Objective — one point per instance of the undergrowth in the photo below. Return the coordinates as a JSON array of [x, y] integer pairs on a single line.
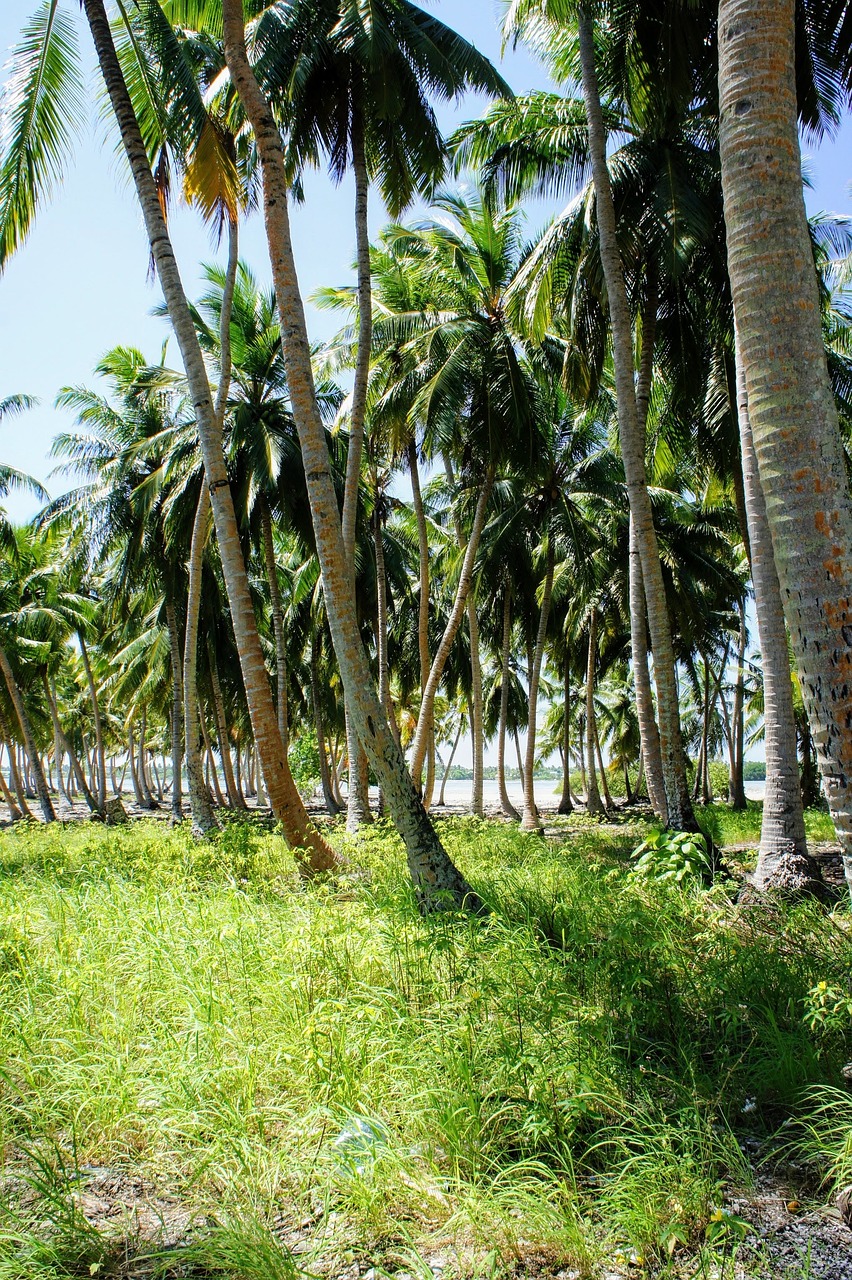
[[315, 1076]]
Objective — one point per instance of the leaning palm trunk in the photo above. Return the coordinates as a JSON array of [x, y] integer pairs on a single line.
[[99, 733], [783, 862], [313, 851], [448, 769], [593, 799], [437, 881], [509, 809], [531, 820], [29, 741], [632, 440], [792, 412], [177, 711]]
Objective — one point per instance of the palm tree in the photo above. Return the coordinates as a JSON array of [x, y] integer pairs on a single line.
[[791, 407]]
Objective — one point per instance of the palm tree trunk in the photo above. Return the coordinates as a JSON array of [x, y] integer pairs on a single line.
[[99, 734], [607, 795], [793, 416], [177, 710], [325, 776], [14, 775], [134, 774], [313, 852], [422, 603], [509, 809], [531, 820], [358, 807], [203, 817], [210, 773], [783, 862], [450, 762], [142, 773], [566, 803], [437, 881], [277, 621], [632, 439], [593, 799], [61, 738], [425, 721], [235, 796], [381, 609], [519, 758], [649, 733], [15, 814], [736, 741], [26, 729]]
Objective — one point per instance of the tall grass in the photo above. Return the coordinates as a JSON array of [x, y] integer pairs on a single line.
[[320, 1076]]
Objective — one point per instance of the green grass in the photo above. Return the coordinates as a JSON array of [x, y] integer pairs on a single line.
[[727, 826], [561, 1081]]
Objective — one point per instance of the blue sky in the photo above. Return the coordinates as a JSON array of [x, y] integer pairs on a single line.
[[80, 284]]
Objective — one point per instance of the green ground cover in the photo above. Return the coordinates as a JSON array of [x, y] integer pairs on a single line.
[[318, 1077]]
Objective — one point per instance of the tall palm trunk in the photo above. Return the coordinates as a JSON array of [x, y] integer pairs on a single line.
[[436, 879], [566, 803], [632, 440], [358, 803], [177, 710], [422, 604], [36, 769], [593, 798], [791, 407], [99, 732], [509, 809], [60, 737], [531, 820], [203, 818], [313, 851], [649, 733], [783, 862], [277, 621]]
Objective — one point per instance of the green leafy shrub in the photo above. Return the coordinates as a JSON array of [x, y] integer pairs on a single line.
[[672, 856]]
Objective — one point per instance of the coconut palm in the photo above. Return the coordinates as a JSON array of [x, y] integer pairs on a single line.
[[791, 409]]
